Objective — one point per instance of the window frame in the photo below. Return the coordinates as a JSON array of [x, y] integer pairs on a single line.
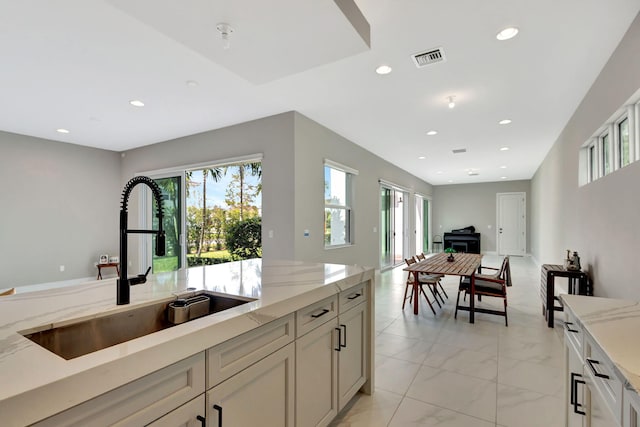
[[606, 153], [347, 207], [618, 141]]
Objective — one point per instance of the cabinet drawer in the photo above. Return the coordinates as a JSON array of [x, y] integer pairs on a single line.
[[352, 297], [316, 314], [232, 356], [139, 402], [603, 377], [573, 333]]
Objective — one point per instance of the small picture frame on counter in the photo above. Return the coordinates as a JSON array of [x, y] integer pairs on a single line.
[[114, 259], [104, 259]]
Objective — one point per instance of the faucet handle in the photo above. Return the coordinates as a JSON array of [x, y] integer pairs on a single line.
[[142, 278]]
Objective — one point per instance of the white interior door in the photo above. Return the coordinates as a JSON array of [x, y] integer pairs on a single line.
[[511, 223]]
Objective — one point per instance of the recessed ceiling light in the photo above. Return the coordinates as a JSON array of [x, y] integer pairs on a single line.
[[136, 103], [192, 83], [507, 33], [439, 172], [503, 177], [383, 69], [450, 180], [503, 167], [432, 132], [504, 122], [504, 148], [61, 130], [421, 157]]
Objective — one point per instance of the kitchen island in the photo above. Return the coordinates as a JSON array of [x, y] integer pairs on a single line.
[[37, 383]]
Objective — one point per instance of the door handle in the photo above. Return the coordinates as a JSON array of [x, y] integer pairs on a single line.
[[344, 328], [339, 339], [219, 409]]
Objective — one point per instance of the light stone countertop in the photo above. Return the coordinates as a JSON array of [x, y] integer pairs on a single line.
[[35, 383], [614, 325]]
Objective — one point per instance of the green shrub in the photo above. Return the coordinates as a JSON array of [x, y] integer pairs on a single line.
[[244, 238]]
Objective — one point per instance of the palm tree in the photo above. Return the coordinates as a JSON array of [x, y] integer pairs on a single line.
[[255, 169], [216, 174]]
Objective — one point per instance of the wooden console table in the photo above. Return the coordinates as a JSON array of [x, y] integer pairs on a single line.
[[579, 283], [116, 265]]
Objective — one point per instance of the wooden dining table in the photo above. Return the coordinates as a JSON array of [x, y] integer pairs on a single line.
[[463, 265]]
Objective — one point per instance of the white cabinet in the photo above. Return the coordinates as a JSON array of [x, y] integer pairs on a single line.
[[142, 401], [260, 395], [352, 364], [317, 376], [331, 360], [631, 409], [593, 394]]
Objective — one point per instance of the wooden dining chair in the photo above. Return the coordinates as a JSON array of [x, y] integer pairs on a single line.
[[423, 279], [421, 257], [7, 292], [491, 285]]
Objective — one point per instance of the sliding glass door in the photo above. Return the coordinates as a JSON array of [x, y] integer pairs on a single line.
[[422, 216], [172, 202], [392, 225]]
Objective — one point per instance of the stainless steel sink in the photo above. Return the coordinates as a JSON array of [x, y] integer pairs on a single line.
[[77, 339]]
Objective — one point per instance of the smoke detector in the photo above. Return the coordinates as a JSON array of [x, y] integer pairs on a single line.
[[225, 31]]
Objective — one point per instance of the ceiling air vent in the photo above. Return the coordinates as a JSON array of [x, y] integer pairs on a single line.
[[427, 58], [459, 150]]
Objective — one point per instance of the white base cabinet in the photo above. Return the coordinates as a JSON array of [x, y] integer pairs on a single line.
[[352, 364], [261, 395], [317, 376]]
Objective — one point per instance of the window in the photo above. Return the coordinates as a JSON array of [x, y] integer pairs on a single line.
[[338, 215], [593, 164], [605, 150], [623, 143]]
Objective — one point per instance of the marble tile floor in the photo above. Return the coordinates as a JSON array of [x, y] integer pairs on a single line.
[[439, 371]]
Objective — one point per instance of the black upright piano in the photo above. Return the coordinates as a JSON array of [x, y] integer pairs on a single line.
[[463, 240]]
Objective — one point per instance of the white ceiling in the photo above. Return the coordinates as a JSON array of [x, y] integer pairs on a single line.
[[76, 64]]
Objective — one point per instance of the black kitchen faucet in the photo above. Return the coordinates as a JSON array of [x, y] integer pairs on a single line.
[[124, 283]]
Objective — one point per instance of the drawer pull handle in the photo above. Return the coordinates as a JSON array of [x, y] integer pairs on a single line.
[[202, 420], [322, 313], [574, 393], [566, 324], [219, 409], [339, 339], [344, 328], [354, 296], [591, 364]]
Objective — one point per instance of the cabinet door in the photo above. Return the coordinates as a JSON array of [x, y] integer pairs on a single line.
[[191, 414], [631, 413], [352, 364], [599, 414], [574, 388], [316, 376], [261, 395]]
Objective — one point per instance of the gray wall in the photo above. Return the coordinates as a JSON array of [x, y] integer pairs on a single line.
[[599, 220], [59, 207], [294, 148], [314, 143], [462, 205], [271, 136]]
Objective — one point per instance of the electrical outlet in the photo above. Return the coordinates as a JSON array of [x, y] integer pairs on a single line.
[[61, 268], [271, 234]]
